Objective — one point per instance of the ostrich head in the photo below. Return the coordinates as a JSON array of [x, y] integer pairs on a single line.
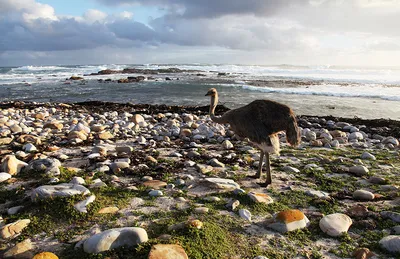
[[212, 92]]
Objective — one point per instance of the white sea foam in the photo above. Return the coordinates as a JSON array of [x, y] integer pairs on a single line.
[[364, 91]]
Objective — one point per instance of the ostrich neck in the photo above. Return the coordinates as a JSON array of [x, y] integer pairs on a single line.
[[213, 105]]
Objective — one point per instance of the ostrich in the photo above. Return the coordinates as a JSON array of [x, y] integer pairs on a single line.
[[260, 121]]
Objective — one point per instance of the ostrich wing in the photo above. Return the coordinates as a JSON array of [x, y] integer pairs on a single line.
[[258, 119]]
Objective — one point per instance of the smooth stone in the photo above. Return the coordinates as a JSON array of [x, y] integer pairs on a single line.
[[114, 238], [335, 224], [289, 220], [391, 140], [311, 135], [377, 180], [395, 216], [368, 156], [155, 184], [201, 210], [77, 180], [12, 165], [318, 194], [20, 250], [161, 251], [155, 193], [118, 166], [81, 206], [358, 170], [60, 190], [245, 214], [223, 183], [391, 243], [260, 197], [14, 210], [47, 165], [4, 177], [215, 163], [106, 135], [396, 230], [147, 178], [137, 118], [45, 255], [212, 198], [232, 204], [124, 149], [13, 229], [227, 144], [356, 135], [363, 195], [29, 148], [290, 169], [5, 141], [97, 183], [108, 210]]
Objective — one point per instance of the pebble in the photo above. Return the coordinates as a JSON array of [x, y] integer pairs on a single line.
[[391, 243], [156, 193], [260, 197], [317, 194], [29, 148], [363, 195], [77, 180], [290, 169], [108, 210], [14, 210], [60, 190], [201, 210], [4, 177], [12, 165], [395, 216], [227, 144], [368, 156], [222, 183], [335, 224], [155, 184], [215, 163], [114, 238], [245, 214], [12, 230], [167, 251], [232, 204], [81, 206], [20, 250], [358, 170], [289, 220]]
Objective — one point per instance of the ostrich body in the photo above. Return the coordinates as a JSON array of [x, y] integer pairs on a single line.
[[260, 121]]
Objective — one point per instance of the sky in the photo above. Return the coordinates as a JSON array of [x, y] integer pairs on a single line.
[[259, 32]]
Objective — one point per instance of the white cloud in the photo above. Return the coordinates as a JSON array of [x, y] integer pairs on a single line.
[[93, 15]]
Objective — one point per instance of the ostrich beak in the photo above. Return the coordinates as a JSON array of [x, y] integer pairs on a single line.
[[207, 94]]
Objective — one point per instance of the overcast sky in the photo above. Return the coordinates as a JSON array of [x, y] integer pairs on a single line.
[[299, 32]]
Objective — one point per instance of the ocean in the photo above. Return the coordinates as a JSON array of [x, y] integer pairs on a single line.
[[325, 90]]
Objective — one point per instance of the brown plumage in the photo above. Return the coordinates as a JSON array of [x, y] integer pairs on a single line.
[[260, 121]]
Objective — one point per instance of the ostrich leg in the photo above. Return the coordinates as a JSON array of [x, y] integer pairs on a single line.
[[260, 164], [269, 179]]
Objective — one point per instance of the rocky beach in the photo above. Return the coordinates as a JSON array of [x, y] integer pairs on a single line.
[[108, 180]]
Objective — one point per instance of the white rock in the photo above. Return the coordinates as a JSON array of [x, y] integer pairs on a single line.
[[367, 155], [77, 180], [4, 177], [227, 144], [363, 195], [289, 220], [356, 135], [114, 238], [243, 213], [29, 148], [60, 190], [391, 243], [335, 224], [223, 183], [290, 169], [358, 170], [156, 193], [81, 206]]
